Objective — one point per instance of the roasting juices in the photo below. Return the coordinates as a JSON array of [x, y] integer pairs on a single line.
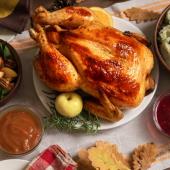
[[20, 131], [163, 114]]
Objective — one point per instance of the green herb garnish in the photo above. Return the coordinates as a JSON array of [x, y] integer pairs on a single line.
[[3, 92], [58, 4], [1, 48], [84, 122], [5, 52]]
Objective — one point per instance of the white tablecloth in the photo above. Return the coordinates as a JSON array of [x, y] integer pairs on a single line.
[[127, 137]]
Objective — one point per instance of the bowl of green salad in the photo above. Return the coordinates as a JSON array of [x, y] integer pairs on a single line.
[[162, 38], [10, 72]]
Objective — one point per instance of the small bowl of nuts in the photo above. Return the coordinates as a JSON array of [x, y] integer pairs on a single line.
[[10, 72]]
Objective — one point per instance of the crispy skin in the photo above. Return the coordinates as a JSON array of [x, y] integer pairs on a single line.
[[111, 66], [111, 62], [56, 71], [96, 108]]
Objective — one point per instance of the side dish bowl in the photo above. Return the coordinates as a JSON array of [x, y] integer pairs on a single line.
[[158, 27], [21, 130], [161, 113], [18, 70]]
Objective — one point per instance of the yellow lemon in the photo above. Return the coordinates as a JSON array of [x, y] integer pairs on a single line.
[[103, 16], [7, 7]]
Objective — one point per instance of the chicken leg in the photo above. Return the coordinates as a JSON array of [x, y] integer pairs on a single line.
[[69, 17], [55, 70]]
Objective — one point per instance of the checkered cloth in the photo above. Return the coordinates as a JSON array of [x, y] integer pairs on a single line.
[[53, 158]]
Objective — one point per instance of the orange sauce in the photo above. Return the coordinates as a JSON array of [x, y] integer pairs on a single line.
[[20, 131]]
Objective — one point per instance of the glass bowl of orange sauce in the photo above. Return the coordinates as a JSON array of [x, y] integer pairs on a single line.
[[21, 130]]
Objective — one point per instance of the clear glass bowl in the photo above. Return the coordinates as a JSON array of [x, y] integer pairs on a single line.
[[155, 113], [30, 110]]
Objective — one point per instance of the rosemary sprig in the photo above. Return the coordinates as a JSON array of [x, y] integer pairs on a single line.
[[58, 4], [85, 121]]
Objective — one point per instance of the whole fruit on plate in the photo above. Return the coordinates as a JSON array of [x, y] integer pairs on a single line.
[[69, 104]]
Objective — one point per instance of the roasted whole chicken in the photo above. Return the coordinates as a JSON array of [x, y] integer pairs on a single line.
[[78, 52]]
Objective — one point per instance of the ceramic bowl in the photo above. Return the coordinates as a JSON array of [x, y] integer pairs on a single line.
[[29, 110], [4, 100], [156, 35]]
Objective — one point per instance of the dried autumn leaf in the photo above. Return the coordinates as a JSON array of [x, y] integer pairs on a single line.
[[106, 156], [83, 155], [140, 15], [164, 152], [83, 161], [143, 156]]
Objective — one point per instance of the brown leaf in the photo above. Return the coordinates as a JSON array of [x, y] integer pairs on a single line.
[[83, 161], [140, 15], [143, 156]]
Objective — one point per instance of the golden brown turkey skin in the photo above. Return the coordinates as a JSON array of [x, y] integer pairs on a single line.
[[79, 52], [110, 62], [69, 17], [54, 69]]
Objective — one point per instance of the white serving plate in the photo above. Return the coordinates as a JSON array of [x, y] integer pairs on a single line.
[[129, 114], [13, 164]]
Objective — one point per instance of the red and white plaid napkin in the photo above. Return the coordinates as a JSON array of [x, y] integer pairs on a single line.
[[53, 158]]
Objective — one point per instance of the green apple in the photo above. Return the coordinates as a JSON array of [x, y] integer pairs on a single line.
[[69, 104]]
